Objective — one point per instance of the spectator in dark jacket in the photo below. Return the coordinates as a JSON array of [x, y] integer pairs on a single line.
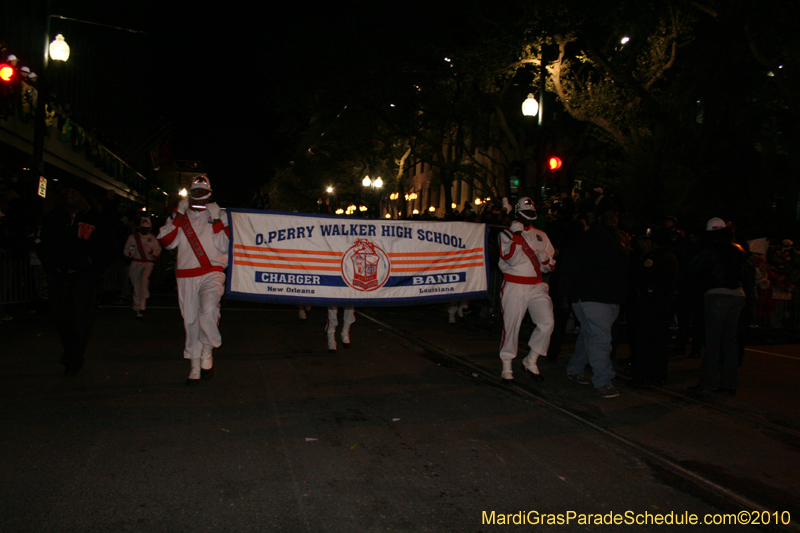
[[74, 249], [595, 277], [718, 271], [653, 281]]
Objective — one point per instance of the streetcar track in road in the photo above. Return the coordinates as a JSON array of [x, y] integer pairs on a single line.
[[746, 418], [694, 400], [662, 390], [656, 457], [772, 353]]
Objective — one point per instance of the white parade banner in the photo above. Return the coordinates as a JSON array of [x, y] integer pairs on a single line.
[[295, 258]]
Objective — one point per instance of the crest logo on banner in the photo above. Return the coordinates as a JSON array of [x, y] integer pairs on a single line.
[[365, 266]]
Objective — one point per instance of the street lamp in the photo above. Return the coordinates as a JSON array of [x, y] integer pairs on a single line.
[[59, 49], [377, 183], [530, 107]]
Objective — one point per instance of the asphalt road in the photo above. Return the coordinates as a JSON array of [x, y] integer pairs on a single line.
[[385, 436]]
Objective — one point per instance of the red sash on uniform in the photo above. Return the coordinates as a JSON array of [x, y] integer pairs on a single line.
[[524, 280], [532, 256], [142, 253], [199, 252]]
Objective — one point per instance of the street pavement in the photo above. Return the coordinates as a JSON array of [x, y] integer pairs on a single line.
[[389, 435]]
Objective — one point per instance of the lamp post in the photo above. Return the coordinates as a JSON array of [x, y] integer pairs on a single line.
[[533, 108], [57, 50], [377, 183]]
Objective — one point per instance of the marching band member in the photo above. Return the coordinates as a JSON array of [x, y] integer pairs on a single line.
[[349, 317], [200, 233], [143, 249], [525, 254]]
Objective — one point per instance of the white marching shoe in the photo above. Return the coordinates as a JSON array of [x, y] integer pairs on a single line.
[[206, 366], [331, 342], [194, 374], [507, 374], [529, 364], [452, 313]]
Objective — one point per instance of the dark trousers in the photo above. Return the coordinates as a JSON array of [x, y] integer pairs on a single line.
[[690, 313], [561, 312], [72, 300], [649, 320], [720, 368]]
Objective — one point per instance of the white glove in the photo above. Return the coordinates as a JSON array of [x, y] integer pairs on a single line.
[[183, 205], [506, 205], [213, 211], [543, 257]]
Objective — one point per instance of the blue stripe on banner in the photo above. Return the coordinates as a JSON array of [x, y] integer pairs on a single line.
[[291, 278], [434, 279], [357, 302]]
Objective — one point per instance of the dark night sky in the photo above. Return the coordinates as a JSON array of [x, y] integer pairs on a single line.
[[218, 74]]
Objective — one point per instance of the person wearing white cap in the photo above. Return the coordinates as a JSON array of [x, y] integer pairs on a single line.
[[525, 254], [201, 235], [142, 248], [718, 274], [29, 96]]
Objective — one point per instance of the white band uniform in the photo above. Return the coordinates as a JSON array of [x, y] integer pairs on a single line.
[[523, 289], [200, 275]]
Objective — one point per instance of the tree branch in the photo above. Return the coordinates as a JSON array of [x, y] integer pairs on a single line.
[[674, 53], [554, 70]]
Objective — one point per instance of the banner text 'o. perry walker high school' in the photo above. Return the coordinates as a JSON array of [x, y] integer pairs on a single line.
[[338, 261]]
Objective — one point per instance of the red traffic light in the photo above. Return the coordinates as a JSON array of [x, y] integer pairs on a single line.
[[554, 163], [6, 72]]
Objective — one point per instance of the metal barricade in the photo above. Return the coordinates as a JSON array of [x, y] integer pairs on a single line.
[[16, 277], [22, 282]]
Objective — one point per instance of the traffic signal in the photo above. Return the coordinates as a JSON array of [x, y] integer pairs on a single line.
[[8, 81], [554, 163], [6, 73]]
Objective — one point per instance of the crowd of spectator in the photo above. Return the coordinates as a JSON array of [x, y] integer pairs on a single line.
[[664, 312]]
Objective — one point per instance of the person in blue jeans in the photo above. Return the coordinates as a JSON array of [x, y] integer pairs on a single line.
[[718, 271], [596, 279]]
